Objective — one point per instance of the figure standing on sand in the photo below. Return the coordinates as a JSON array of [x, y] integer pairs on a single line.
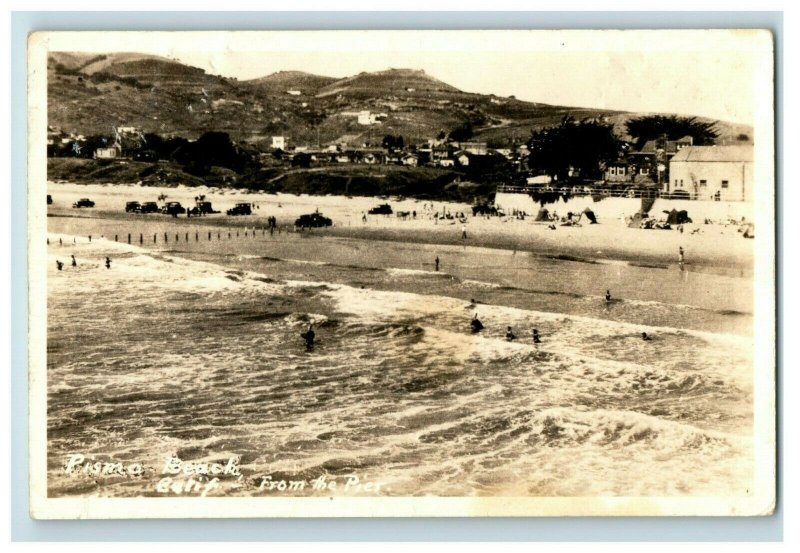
[[74, 263], [608, 296], [437, 262], [108, 262], [59, 265], [510, 335], [680, 255], [463, 232], [309, 336], [476, 324]]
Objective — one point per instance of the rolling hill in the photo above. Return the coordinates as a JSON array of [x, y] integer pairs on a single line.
[[89, 94]]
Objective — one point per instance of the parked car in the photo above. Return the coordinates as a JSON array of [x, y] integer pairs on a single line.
[[383, 209], [313, 220], [202, 208], [149, 207], [133, 207], [241, 209], [173, 208], [83, 202], [49, 199]]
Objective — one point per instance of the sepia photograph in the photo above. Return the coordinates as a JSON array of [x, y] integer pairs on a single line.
[[401, 273]]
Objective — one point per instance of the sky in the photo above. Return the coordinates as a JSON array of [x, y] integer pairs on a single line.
[[717, 74]]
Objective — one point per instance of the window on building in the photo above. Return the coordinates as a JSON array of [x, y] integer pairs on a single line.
[[703, 182], [724, 184]]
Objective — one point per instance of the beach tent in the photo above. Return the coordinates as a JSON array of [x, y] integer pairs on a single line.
[[590, 215], [676, 217], [543, 215]]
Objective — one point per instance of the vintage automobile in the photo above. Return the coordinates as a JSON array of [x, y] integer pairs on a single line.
[[202, 208], [133, 207], [149, 207], [83, 202], [241, 208], [313, 220], [383, 209], [173, 208]]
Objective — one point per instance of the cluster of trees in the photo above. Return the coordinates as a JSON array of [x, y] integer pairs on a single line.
[[651, 127], [584, 145], [392, 142], [588, 145]]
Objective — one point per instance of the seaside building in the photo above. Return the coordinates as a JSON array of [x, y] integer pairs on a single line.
[[654, 157], [723, 173]]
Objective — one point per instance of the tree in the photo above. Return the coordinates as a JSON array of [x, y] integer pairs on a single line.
[[462, 132], [301, 160], [392, 142], [651, 127], [211, 149], [586, 145]]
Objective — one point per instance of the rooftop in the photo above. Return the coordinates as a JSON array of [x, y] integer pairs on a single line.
[[715, 153]]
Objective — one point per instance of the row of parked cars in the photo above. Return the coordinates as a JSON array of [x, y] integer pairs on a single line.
[[311, 220]]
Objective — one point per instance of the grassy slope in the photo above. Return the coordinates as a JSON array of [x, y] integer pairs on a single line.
[[163, 96]]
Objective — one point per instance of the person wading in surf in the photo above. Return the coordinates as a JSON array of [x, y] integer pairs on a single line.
[[476, 324], [309, 336], [510, 335], [536, 338]]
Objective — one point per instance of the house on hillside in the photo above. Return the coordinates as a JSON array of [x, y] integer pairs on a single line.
[[106, 153], [477, 148], [410, 160], [712, 173], [280, 143]]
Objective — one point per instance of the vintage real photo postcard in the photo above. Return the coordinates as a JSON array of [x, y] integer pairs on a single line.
[[401, 273]]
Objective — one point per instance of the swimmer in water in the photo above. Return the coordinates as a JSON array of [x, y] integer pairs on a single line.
[[536, 337], [309, 337], [476, 324], [645, 337], [510, 335]]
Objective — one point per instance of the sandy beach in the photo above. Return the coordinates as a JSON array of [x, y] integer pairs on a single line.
[[716, 246]]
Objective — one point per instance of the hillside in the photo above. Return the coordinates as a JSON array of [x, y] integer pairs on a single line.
[[89, 94], [282, 81], [402, 82]]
